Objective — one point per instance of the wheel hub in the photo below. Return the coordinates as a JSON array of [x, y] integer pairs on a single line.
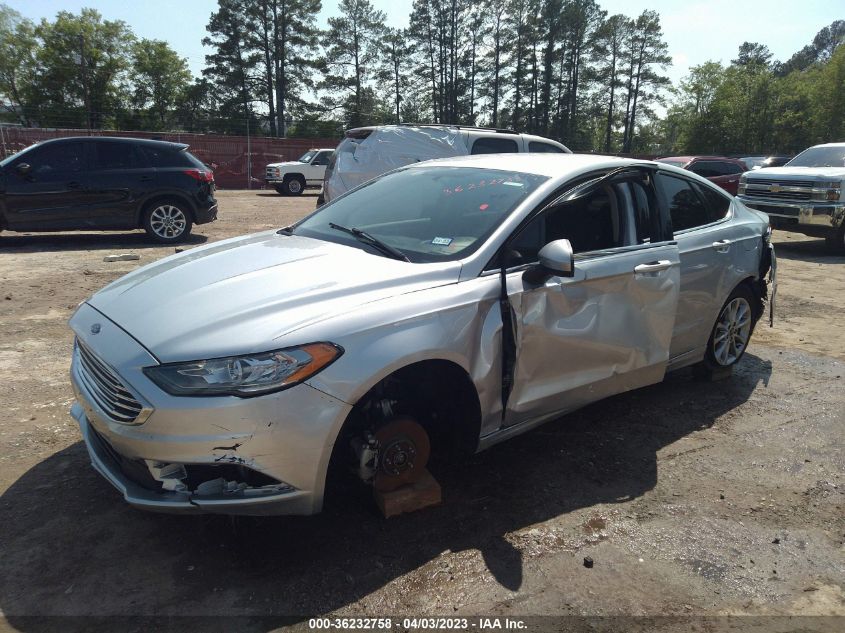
[[403, 453]]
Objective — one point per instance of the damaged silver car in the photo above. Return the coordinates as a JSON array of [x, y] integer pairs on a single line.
[[452, 303]]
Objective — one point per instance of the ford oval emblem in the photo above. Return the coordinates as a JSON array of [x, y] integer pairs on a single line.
[[95, 329]]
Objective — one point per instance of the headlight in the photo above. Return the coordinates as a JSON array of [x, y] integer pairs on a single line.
[[248, 375], [829, 190], [741, 186]]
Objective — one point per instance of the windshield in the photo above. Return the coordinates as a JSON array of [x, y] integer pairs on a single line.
[[307, 156], [429, 214], [820, 157], [16, 155]]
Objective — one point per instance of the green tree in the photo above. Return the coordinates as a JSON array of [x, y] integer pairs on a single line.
[[351, 52], [17, 62], [81, 69], [645, 50], [197, 106], [286, 36], [701, 130], [396, 64], [160, 77], [497, 56], [609, 42], [232, 67]]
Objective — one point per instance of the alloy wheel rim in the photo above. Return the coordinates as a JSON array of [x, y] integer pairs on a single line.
[[294, 186], [733, 330], [168, 221]]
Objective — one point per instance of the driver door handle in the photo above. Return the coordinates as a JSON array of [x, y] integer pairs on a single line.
[[652, 267], [722, 246]]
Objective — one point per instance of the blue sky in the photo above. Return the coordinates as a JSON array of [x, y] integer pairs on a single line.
[[696, 30]]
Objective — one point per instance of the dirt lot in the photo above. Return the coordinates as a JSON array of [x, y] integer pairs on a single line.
[[691, 498]]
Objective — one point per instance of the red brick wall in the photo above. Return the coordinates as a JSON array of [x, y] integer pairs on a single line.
[[228, 153]]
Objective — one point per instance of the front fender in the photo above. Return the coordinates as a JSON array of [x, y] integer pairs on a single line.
[[459, 323]]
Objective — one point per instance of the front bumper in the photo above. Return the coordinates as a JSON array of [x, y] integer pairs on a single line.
[[799, 215], [273, 449]]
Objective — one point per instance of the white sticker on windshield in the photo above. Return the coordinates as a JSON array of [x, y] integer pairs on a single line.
[[513, 184], [441, 241]]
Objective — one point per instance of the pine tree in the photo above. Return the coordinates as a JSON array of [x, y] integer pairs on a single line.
[[351, 52]]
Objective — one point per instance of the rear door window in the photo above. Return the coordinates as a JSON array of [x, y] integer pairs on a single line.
[[110, 155], [494, 145], [544, 148]]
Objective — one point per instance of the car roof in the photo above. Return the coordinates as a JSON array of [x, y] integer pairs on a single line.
[[696, 157], [550, 165], [115, 139]]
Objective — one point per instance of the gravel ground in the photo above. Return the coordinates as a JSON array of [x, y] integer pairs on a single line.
[[691, 498]]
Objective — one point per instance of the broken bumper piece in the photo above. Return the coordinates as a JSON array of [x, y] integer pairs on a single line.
[[163, 487]]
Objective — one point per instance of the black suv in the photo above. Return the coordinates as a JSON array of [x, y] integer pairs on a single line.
[[106, 183]]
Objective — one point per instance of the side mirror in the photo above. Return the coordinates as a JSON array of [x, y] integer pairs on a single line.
[[23, 168], [557, 257]]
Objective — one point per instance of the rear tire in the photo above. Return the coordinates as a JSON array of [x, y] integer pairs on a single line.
[[731, 333], [167, 221], [836, 241], [293, 185]]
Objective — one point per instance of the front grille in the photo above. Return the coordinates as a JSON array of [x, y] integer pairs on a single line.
[[798, 190], [270, 173], [105, 387], [809, 184], [778, 195]]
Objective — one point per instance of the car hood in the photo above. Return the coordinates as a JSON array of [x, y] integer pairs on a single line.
[[798, 173], [244, 294], [290, 163]]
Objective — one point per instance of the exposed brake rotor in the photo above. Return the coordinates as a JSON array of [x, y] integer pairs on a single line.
[[403, 453]]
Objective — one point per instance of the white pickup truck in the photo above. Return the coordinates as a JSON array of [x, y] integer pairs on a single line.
[[804, 196], [292, 177]]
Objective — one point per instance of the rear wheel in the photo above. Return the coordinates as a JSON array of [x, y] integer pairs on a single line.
[[732, 332], [293, 185], [836, 240], [167, 221]]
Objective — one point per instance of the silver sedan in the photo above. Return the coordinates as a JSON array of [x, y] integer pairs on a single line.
[[453, 303]]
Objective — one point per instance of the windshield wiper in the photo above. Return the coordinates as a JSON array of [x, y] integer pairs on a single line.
[[288, 230], [366, 238]]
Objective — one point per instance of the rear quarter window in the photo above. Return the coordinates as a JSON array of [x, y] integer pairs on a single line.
[[169, 157], [688, 204], [718, 205]]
